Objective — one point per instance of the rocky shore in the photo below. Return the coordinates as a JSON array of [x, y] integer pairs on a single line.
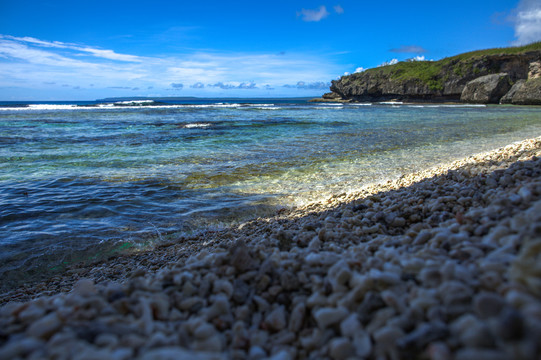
[[440, 264], [493, 76]]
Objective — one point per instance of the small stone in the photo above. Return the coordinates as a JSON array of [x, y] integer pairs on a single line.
[[477, 335], [438, 351], [398, 222], [45, 327], [276, 319], [430, 277], [341, 348], [525, 194], [19, 348], [84, 287], [240, 257], [213, 344], [362, 344], [32, 313], [424, 334], [289, 281], [222, 286], [106, 340], [371, 302], [388, 336], [241, 291], [297, 317], [326, 317], [204, 330], [282, 355], [488, 304], [423, 236], [220, 306], [480, 354], [338, 275], [175, 352], [256, 353], [511, 324], [350, 325]]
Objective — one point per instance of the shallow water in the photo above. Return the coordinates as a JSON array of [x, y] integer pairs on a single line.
[[77, 183]]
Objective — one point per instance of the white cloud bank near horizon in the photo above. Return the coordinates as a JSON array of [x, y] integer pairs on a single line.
[[527, 22], [36, 64]]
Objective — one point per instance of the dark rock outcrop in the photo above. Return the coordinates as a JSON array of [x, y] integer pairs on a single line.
[[488, 89], [508, 98], [474, 77], [529, 93]]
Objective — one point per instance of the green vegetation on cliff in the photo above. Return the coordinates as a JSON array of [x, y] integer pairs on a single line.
[[442, 80], [436, 73]]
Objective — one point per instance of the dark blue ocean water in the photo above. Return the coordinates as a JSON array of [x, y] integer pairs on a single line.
[[80, 182]]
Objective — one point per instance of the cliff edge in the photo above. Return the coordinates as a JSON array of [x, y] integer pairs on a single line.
[[508, 75]]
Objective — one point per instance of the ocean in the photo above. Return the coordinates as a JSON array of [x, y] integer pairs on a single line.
[[83, 181]]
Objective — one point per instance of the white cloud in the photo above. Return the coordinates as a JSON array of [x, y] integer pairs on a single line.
[[29, 63], [359, 69], [338, 9], [106, 54], [390, 62], [409, 49], [313, 15], [15, 50], [528, 22], [318, 85]]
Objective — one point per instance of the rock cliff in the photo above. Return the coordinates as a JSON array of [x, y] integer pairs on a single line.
[[511, 75]]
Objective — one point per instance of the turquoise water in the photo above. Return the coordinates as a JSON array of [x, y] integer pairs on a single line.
[[78, 183]]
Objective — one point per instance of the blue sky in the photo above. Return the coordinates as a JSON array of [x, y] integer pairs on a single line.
[[77, 50]]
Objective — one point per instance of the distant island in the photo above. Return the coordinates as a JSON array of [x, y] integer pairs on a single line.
[[504, 75]]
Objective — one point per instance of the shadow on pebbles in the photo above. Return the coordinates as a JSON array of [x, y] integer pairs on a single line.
[[440, 264]]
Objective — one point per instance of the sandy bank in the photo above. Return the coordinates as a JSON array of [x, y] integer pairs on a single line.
[[439, 264]]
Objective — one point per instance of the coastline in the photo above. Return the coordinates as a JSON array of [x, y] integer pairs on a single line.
[[441, 262]]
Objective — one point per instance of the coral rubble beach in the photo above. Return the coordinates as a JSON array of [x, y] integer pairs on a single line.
[[439, 264]]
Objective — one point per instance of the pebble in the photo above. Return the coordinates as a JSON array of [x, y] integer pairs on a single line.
[[45, 327], [440, 264], [328, 316], [341, 348], [480, 354], [350, 326], [488, 304], [296, 319], [256, 353], [174, 353], [276, 319]]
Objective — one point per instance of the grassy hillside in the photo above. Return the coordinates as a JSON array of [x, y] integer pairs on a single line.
[[435, 73]]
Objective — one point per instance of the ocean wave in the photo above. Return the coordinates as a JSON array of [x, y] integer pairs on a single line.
[[359, 104], [49, 107], [135, 103], [328, 107], [448, 106], [197, 125], [125, 105]]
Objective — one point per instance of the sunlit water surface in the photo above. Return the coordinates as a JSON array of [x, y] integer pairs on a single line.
[[79, 183]]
